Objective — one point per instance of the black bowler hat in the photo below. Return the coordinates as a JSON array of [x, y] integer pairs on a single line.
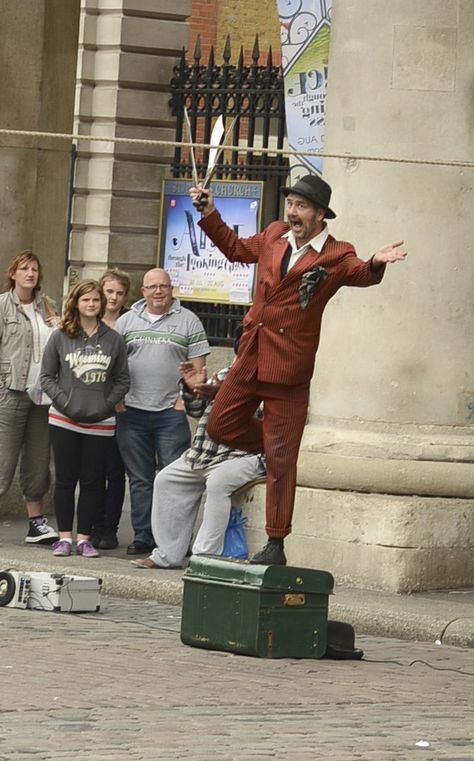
[[312, 187]]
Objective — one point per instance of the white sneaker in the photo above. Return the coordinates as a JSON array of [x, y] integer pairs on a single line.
[[40, 532]]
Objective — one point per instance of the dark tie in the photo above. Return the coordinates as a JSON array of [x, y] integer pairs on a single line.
[[285, 262]]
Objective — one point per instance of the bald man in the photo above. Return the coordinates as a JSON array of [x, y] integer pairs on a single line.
[[159, 334]]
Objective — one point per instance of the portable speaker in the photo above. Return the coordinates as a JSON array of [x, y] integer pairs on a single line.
[[14, 589]]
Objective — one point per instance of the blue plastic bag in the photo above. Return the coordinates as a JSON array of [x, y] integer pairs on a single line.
[[235, 542]]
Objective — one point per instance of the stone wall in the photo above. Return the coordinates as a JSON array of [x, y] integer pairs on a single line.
[[392, 397], [127, 53], [38, 39]]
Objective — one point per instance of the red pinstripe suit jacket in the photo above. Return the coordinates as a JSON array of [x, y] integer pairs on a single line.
[[280, 338]]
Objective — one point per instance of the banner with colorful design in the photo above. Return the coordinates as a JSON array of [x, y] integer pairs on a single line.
[[305, 29], [198, 270]]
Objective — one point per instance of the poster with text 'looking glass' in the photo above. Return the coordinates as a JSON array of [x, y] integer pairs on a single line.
[[198, 270]]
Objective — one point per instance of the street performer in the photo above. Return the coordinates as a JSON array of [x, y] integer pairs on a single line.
[[300, 267]]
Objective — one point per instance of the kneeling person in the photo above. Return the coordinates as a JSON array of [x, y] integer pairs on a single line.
[[205, 466]]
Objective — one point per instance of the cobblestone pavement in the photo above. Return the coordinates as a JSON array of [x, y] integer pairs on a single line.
[[118, 684]]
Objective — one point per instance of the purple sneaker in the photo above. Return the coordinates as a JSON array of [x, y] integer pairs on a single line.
[[62, 548], [87, 550]]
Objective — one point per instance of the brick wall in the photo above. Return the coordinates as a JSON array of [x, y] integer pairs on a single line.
[[246, 19], [203, 22], [215, 19]]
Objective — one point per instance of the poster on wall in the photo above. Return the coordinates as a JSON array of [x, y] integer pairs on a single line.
[[305, 30], [198, 270]]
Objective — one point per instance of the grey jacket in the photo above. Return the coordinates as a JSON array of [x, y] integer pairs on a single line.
[[16, 340], [85, 377]]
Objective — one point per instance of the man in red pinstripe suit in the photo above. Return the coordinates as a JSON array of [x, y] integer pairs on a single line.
[[300, 267]]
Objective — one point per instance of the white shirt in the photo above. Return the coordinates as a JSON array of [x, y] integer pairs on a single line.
[[41, 333], [154, 317], [296, 253]]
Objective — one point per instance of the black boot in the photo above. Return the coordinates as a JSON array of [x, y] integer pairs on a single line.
[[96, 536], [109, 540], [272, 554]]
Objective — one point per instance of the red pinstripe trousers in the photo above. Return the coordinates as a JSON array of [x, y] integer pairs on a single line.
[[232, 422]]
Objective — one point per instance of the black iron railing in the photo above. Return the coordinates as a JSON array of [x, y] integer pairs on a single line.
[[252, 94]]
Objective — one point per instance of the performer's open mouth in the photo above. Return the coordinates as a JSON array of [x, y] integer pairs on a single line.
[[295, 224]]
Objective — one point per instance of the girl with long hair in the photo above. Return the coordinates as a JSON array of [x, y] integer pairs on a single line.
[[116, 285], [85, 373]]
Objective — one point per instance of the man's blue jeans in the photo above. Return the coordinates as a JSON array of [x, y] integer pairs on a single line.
[[147, 441]]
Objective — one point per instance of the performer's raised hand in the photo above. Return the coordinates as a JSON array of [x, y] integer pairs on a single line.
[[203, 199], [390, 253]]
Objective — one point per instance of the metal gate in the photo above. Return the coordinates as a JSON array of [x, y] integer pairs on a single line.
[[253, 94]]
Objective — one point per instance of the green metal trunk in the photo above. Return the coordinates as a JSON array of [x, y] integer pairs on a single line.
[[269, 611]]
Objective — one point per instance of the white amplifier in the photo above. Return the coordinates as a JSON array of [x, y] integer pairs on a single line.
[[14, 589], [49, 591], [68, 594]]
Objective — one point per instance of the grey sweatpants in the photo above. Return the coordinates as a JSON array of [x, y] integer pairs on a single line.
[[24, 431], [177, 495]]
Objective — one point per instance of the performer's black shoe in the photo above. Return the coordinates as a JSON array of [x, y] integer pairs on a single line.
[[272, 554]]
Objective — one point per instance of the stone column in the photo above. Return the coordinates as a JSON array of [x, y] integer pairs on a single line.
[[38, 40], [127, 53], [392, 401]]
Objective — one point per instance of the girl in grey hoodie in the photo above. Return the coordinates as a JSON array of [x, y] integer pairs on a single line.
[[85, 374]]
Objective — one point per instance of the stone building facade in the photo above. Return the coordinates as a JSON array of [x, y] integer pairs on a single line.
[[37, 69], [386, 476], [127, 50]]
